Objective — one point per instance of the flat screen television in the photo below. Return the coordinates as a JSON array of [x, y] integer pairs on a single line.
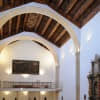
[[25, 67]]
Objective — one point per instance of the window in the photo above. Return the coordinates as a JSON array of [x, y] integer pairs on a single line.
[[3, 98], [45, 98], [34, 98]]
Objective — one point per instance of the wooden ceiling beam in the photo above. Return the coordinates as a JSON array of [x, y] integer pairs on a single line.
[[91, 11], [38, 22], [12, 3], [46, 26], [1, 3], [76, 7], [63, 40], [10, 25], [53, 30], [59, 3], [60, 35], [18, 23], [70, 6], [83, 8], [1, 33], [25, 20]]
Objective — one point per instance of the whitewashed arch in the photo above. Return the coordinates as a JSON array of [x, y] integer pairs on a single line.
[[41, 9], [30, 36]]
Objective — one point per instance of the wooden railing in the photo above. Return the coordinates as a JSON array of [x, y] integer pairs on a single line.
[[10, 84]]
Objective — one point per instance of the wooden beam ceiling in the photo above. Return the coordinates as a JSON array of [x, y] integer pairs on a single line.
[[42, 25], [70, 5], [85, 5], [53, 30], [77, 11], [46, 26], [70, 9]]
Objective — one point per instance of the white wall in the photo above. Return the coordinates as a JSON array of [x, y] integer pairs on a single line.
[[90, 45], [27, 95], [67, 71], [27, 50]]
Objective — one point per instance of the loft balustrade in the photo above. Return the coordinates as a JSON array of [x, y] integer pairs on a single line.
[[36, 85]]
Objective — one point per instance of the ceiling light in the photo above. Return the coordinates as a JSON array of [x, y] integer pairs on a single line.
[[8, 71], [89, 36], [43, 92], [6, 92], [25, 93], [71, 50], [25, 75], [41, 72]]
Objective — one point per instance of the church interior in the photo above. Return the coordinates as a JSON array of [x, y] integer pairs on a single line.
[[49, 50]]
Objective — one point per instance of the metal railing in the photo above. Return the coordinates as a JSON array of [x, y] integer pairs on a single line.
[[11, 84]]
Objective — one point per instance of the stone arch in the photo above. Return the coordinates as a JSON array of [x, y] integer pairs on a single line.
[[41, 9], [29, 36]]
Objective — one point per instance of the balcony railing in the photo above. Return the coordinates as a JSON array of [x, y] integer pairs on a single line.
[[36, 85]]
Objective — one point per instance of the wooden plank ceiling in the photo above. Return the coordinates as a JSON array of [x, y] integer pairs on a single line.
[[40, 24], [77, 11]]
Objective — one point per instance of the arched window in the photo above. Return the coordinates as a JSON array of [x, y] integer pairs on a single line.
[[15, 98], [61, 97], [45, 98], [3, 98], [34, 98]]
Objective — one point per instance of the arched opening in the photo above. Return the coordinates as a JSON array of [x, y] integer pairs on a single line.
[[45, 10]]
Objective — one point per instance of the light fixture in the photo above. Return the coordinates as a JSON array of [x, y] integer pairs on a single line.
[[89, 36], [42, 92], [6, 92], [71, 50], [8, 71], [25, 75], [78, 49], [25, 93], [62, 54], [41, 72]]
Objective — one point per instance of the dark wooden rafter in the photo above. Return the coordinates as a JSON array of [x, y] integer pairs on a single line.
[[46, 26], [56, 33], [51, 26], [60, 35], [70, 6], [76, 7], [6, 30], [38, 22], [13, 24], [59, 3], [10, 25], [53, 30], [63, 39], [43, 23], [89, 14], [21, 28], [1, 33], [25, 20], [18, 23], [83, 8], [1, 3], [12, 3]]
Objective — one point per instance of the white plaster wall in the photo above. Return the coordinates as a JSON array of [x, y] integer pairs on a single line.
[[27, 50], [90, 45], [20, 95], [67, 71], [10, 96]]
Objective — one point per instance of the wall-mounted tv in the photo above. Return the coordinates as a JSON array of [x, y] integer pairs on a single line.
[[25, 67]]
